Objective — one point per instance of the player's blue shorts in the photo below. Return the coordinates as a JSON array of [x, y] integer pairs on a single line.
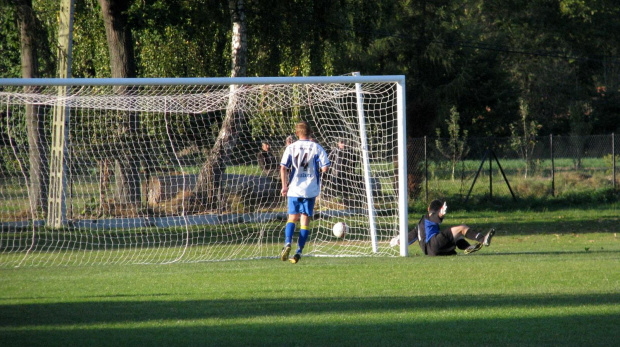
[[301, 205]]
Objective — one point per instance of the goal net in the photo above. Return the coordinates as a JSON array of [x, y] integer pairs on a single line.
[[114, 171]]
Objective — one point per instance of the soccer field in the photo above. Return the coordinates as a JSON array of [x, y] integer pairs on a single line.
[[530, 288]]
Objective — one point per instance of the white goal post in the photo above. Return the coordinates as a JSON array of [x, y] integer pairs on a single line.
[[161, 170]]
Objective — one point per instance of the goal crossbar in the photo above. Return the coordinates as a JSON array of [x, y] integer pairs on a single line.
[[400, 79]]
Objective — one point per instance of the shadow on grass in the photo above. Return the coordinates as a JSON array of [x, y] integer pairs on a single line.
[[292, 321]]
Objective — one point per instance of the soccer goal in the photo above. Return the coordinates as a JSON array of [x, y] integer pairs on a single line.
[[112, 171]]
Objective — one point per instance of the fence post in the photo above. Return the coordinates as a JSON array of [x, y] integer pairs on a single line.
[[613, 159], [425, 172], [490, 177], [552, 165]]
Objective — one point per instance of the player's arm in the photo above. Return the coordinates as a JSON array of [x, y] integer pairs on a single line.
[[285, 163], [284, 179], [324, 160]]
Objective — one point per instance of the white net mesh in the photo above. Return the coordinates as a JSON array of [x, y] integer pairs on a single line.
[[158, 174]]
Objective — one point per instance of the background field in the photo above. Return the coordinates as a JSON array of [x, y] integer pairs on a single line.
[[549, 278]]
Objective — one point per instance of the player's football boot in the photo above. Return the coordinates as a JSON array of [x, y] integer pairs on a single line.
[[285, 252], [296, 258], [473, 248], [488, 237]]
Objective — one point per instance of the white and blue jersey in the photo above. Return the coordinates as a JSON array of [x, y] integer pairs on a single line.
[[305, 159]]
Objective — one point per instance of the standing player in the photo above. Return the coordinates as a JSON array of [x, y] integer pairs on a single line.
[[306, 160], [267, 161], [343, 178]]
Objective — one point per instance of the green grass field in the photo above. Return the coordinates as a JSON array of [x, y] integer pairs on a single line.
[[549, 278]]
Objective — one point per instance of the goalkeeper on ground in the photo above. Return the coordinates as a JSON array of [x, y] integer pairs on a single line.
[[434, 241], [306, 160]]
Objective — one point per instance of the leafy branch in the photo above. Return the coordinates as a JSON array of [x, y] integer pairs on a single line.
[[524, 134], [456, 148]]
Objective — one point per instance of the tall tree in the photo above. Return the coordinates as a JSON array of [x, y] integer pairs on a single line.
[[209, 185], [38, 153], [122, 64]]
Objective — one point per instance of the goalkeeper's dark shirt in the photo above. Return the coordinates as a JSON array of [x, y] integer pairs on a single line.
[[432, 221]]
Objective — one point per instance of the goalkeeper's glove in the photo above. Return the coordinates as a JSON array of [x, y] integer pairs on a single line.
[[444, 209]]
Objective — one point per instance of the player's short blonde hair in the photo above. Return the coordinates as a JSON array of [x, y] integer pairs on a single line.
[[303, 129]]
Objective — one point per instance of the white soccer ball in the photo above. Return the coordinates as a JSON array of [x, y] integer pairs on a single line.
[[340, 229]]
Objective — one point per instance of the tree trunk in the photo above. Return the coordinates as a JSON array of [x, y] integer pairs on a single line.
[[209, 189], [37, 149], [122, 64], [118, 34], [239, 39]]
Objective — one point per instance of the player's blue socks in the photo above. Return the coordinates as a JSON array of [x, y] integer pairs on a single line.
[[289, 230], [303, 236]]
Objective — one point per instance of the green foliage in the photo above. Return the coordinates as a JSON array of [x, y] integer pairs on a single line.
[[480, 56], [610, 161], [91, 57], [13, 140], [181, 38], [9, 45], [9, 165], [46, 12]]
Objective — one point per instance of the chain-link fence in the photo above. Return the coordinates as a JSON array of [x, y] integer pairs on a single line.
[[495, 169]]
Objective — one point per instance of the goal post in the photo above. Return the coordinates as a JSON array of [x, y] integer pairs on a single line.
[[161, 170]]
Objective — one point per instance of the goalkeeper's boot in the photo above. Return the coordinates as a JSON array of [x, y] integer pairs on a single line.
[[296, 258], [488, 237], [285, 252], [473, 248]]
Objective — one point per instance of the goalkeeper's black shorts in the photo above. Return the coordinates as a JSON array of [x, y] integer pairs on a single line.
[[441, 244]]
